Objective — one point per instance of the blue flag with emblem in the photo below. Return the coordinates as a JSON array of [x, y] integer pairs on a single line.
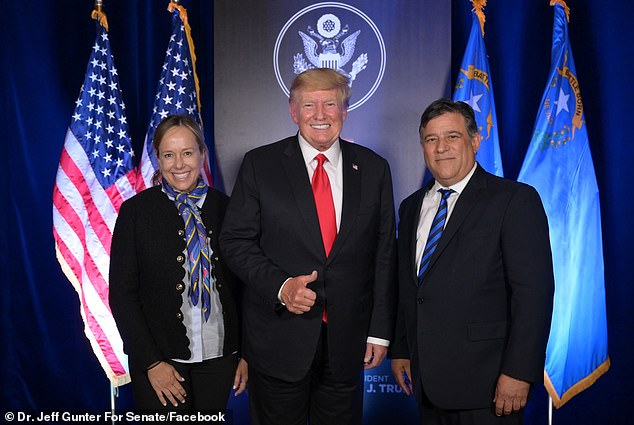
[[559, 165], [473, 86]]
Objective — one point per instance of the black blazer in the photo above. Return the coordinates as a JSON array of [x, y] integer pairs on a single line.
[[485, 305], [146, 276], [271, 233]]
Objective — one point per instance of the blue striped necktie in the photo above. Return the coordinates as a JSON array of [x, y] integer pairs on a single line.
[[435, 233]]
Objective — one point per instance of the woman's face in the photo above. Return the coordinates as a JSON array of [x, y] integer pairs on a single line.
[[180, 158]]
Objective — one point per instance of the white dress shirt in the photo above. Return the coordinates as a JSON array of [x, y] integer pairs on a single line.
[[334, 169], [206, 339]]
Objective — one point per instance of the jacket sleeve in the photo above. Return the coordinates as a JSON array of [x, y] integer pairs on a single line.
[[528, 264], [124, 292], [240, 237], [399, 349], [385, 280]]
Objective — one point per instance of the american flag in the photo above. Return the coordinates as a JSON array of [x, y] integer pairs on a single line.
[[95, 176], [177, 93]]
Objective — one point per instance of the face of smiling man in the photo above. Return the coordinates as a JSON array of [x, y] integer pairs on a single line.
[[448, 149], [319, 114]]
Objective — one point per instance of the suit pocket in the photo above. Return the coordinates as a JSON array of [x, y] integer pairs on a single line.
[[480, 233], [488, 330]]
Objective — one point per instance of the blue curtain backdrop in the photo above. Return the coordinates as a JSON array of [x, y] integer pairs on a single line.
[[46, 362]]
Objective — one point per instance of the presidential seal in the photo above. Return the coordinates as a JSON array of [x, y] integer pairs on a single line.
[[332, 35]]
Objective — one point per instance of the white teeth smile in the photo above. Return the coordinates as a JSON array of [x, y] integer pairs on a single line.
[[181, 175], [320, 126]]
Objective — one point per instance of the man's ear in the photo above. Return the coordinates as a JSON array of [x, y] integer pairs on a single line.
[[475, 142]]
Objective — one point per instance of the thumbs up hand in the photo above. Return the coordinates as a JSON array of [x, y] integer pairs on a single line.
[[298, 298]]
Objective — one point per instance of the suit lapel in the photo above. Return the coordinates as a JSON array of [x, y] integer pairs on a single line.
[[297, 177], [351, 195], [468, 198]]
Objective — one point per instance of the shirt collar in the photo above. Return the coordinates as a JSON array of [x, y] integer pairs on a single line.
[[458, 187], [309, 153]]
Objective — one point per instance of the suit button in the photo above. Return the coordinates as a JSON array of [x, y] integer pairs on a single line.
[[181, 233], [210, 232], [179, 316], [219, 285], [180, 258], [216, 258], [420, 300], [180, 287]]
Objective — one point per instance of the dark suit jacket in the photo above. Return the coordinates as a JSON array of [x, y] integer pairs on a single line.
[[271, 233], [146, 277], [484, 307]]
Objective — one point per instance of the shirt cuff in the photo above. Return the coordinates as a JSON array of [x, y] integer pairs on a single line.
[[279, 293], [379, 341]]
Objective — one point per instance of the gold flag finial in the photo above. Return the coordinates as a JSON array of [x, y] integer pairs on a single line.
[[478, 8], [99, 15], [564, 5], [182, 12]]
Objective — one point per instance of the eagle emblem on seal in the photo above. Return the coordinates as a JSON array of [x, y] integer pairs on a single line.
[[329, 47]]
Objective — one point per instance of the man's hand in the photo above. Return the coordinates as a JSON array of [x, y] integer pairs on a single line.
[[297, 297], [241, 377], [403, 375], [165, 381], [374, 355], [510, 395]]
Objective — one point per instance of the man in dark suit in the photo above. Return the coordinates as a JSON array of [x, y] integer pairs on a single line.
[[475, 282], [310, 230]]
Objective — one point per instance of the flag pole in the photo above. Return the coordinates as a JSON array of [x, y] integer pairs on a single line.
[[550, 410], [478, 6], [114, 393], [98, 14]]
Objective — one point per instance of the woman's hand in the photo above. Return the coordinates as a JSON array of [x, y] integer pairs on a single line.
[[165, 381]]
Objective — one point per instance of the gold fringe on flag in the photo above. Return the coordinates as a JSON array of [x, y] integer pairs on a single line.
[[577, 388], [183, 15], [478, 8], [565, 6], [99, 15]]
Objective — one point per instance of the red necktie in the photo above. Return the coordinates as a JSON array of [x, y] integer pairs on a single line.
[[325, 208]]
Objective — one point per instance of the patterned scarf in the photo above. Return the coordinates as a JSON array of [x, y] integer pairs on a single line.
[[197, 250]]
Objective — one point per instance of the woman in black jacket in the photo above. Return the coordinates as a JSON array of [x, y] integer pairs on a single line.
[[173, 299]]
